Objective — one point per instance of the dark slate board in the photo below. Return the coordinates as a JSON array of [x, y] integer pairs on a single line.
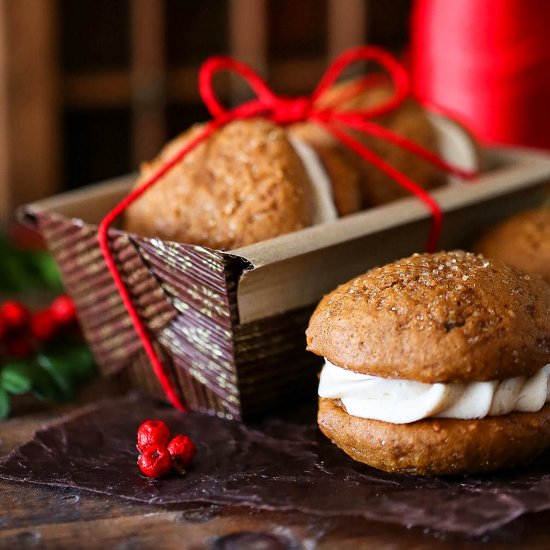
[[275, 465]]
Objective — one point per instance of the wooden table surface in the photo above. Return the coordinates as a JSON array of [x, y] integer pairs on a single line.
[[42, 517]]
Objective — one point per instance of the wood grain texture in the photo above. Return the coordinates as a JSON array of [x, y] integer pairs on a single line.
[[29, 122], [148, 78]]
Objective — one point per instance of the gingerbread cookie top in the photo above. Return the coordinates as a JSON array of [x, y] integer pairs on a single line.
[[411, 121], [522, 241], [244, 184], [445, 317], [356, 182]]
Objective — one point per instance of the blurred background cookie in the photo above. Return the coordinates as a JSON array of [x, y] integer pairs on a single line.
[[522, 241]]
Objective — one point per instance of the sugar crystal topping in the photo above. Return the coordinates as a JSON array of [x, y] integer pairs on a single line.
[[445, 291]]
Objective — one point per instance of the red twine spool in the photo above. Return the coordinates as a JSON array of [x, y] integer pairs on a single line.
[[489, 62], [284, 111]]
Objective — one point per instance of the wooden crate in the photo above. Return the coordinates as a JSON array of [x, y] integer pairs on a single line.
[[230, 324]]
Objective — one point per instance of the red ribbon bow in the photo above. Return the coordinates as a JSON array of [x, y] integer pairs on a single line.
[[284, 111]]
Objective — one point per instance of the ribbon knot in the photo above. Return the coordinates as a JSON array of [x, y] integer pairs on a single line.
[[334, 118], [289, 110]]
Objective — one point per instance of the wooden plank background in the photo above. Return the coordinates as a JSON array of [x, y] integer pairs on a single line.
[[37, 89]]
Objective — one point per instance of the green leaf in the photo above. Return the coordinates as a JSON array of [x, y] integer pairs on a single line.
[[17, 277], [61, 373], [81, 358], [23, 269], [45, 269], [75, 357], [68, 364], [44, 386], [4, 404], [14, 378], [30, 375]]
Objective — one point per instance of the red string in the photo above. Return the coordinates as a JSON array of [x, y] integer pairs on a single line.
[[103, 237], [354, 88], [368, 127], [398, 177], [398, 76], [286, 110]]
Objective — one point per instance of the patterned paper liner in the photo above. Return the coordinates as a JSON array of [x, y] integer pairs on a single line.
[[187, 296]]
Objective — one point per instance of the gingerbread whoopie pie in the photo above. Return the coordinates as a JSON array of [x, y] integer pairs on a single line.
[[522, 241], [248, 182], [357, 181], [343, 167], [436, 364]]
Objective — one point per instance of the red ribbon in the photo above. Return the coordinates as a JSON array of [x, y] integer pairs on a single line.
[[284, 111]]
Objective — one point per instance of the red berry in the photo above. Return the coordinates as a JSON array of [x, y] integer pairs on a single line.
[[182, 450], [14, 315], [152, 433], [62, 310], [155, 462], [42, 326], [19, 349]]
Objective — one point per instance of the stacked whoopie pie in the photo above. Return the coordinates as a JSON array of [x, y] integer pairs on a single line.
[[253, 180], [436, 364]]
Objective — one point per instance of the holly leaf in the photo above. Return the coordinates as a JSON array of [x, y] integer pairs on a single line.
[[24, 376], [4, 404], [22, 269], [15, 378], [61, 373], [44, 386], [74, 358], [68, 364], [16, 276], [80, 356], [43, 266]]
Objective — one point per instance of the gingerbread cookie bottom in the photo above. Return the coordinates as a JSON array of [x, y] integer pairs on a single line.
[[438, 446]]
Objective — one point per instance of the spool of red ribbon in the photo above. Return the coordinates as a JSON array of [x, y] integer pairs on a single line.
[[284, 111], [487, 61]]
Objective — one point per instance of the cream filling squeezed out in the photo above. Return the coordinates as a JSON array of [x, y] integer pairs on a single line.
[[404, 401]]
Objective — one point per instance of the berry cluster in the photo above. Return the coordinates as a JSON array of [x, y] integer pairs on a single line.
[[159, 454], [22, 332]]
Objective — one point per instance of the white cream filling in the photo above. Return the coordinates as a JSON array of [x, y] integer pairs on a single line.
[[404, 401], [323, 203]]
